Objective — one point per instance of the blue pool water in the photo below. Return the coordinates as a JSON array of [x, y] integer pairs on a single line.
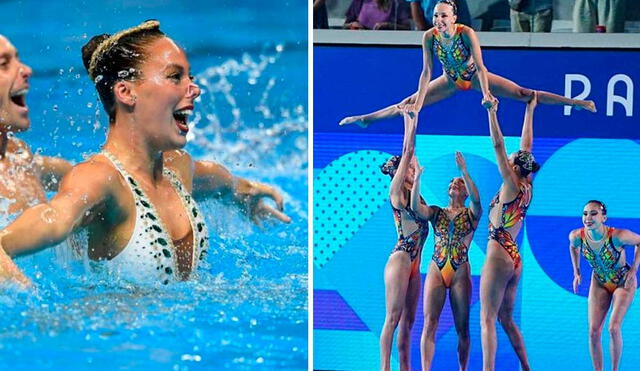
[[248, 307]]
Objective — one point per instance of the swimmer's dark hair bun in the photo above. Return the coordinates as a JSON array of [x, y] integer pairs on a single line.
[[89, 48], [536, 167]]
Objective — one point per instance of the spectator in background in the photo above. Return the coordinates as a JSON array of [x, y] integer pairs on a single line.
[[422, 13], [377, 15], [320, 16], [599, 15], [531, 15]]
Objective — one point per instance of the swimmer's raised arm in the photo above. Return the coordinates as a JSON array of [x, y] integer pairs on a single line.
[[45, 225], [509, 177], [397, 190], [526, 138], [472, 190], [427, 69], [422, 209]]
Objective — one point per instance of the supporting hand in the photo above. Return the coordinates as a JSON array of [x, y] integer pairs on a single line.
[[576, 283]]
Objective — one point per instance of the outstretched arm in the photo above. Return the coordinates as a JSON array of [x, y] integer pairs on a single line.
[[421, 209], [526, 138], [472, 190], [574, 251], [471, 39], [506, 172], [396, 191], [212, 179]]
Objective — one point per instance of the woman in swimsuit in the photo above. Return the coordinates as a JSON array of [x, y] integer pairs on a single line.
[[135, 197], [502, 268], [402, 272], [612, 280], [453, 228], [458, 49]]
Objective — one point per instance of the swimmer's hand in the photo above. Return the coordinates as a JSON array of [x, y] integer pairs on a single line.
[[630, 280], [461, 163], [576, 283], [409, 108], [493, 107], [252, 200], [489, 101], [531, 105], [9, 271]]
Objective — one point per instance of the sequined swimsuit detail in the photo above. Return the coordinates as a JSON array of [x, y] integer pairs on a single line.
[[412, 243], [604, 261], [512, 213], [455, 59], [150, 254], [450, 250]]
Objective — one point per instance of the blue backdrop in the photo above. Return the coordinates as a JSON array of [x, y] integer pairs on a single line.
[[583, 156]]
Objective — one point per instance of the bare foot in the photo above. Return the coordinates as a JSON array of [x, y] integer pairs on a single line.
[[589, 105], [358, 120]]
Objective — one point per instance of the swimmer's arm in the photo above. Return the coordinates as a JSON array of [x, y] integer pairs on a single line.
[[472, 190], [417, 13], [212, 179], [427, 68], [526, 137], [52, 170], [421, 209], [483, 74], [508, 176], [630, 238], [396, 190], [574, 252], [48, 224]]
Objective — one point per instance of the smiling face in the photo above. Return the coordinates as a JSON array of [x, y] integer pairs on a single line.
[[164, 95], [14, 86], [457, 188], [592, 216], [443, 18]]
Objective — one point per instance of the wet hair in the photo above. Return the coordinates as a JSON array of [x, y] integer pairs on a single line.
[[526, 163], [603, 207], [451, 3], [390, 166], [112, 58]]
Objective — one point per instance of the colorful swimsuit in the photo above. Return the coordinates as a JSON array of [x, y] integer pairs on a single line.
[[150, 255], [456, 58], [604, 262], [450, 251], [411, 244], [512, 213]]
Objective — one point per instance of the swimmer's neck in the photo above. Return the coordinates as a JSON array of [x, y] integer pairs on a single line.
[[597, 235], [139, 158], [456, 203]]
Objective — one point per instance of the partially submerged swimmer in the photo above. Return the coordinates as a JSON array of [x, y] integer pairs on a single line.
[[136, 197]]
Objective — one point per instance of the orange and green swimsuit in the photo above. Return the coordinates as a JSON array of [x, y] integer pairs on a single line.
[[512, 213], [604, 261], [455, 59], [450, 251]]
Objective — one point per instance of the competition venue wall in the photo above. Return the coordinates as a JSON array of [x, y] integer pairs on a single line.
[[583, 155]]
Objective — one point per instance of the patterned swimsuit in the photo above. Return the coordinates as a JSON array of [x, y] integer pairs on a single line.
[[455, 59], [150, 254], [411, 244], [450, 251], [604, 262], [512, 213]]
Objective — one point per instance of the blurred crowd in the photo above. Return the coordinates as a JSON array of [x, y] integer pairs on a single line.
[[483, 15]]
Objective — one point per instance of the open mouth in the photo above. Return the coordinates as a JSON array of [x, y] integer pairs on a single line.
[[19, 98], [182, 116]]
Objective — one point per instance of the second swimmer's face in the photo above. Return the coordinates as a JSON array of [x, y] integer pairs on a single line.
[[592, 216], [457, 188], [443, 17], [14, 86], [165, 95]]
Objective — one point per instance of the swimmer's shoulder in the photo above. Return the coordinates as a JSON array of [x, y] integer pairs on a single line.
[[95, 172], [575, 237], [181, 163]]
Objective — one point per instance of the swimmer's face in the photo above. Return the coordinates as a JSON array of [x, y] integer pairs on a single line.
[[14, 86], [165, 94], [457, 188], [592, 216], [443, 17]]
